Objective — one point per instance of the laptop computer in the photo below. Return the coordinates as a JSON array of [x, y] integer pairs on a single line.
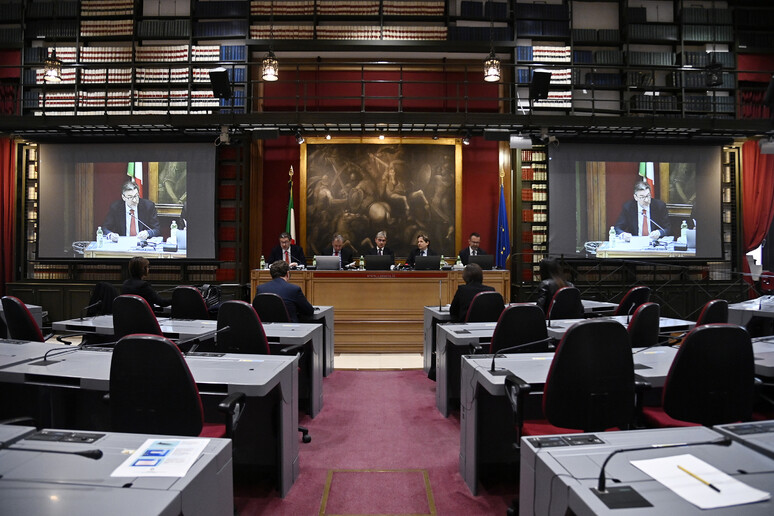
[[327, 263], [427, 263], [374, 262], [485, 261]]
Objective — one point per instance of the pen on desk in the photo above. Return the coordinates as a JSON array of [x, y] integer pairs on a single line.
[[697, 477]]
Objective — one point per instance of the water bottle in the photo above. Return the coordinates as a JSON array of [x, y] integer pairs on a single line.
[[362, 262], [684, 231], [314, 262], [443, 262], [263, 262], [99, 236], [459, 262], [612, 236], [173, 232]]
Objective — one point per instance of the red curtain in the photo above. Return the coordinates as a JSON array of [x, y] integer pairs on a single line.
[[757, 194], [7, 207]]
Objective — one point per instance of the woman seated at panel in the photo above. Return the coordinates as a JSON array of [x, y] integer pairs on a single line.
[[136, 284], [551, 280]]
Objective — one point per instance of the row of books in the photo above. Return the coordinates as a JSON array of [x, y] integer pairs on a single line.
[[107, 7], [705, 15], [702, 59], [698, 79], [469, 33], [653, 32], [230, 28], [651, 58], [596, 35], [122, 98], [164, 28], [754, 18], [534, 155], [225, 9], [53, 9], [534, 216], [706, 104], [488, 9], [554, 54], [50, 29], [539, 28], [101, 28], [11, 10], [556, 99], [347, 8], [602, 79], [161, 54], [532, 174], [10, 34], [654, 102], [542, 11], [708, 33]]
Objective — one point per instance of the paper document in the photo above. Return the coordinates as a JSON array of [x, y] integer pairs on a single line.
[[699, 483], [162, 458]]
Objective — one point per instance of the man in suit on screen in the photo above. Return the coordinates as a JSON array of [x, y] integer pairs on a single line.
[[292, 295], [131, 216], [643, 215]]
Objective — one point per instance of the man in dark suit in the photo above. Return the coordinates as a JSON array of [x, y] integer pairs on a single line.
[[381, 248], [291, 254], [473, 249], [641, 211], [473, 277], [422, 249], [337, 249], [131, 216], [294, 298]]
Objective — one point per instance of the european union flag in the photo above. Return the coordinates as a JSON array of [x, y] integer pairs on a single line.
[[503, 235]]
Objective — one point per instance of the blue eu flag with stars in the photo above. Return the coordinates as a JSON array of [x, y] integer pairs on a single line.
[[503, 235]]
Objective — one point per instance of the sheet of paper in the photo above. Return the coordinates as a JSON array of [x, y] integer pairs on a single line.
[[162, 458], [696, 490]]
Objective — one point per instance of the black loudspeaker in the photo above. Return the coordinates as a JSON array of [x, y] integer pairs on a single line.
[[538, 88], [713, 75], [220, 85], [768, 98]]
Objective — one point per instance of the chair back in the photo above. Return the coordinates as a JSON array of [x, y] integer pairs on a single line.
[[246, 334], [133, 314], [103, 293], [566, 304], [712, 378], [520, 324], [643, 326], [271, 308], [188, 303], [590, 385], [485, 307], [152, 390], [714, 311], [19, 321], [633, 298]]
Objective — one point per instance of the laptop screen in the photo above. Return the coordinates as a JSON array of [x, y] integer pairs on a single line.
[[427, 263], [328, 263], [374, 262]]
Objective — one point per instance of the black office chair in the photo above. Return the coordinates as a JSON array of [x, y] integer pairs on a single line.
[[711, 381], [246, 336], [271, 308], [566, 304], [20, 322], [188, 303], [101, 300], [485, 307], [152, 391], [520, 324], [643, 326], [632, 299], [713, 312], [133, 314]]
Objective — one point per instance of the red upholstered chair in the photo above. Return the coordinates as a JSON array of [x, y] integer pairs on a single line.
[[485, 307], [271, 308], [633, 298], [20, 322], [520, 324], [711, 381], [714, 311], [188, 303], [566, 304], [133, 314], [590, 386], [643, 326], [152, 392]]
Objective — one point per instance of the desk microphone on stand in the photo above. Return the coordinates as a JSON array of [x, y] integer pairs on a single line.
[[86, 308], [89, 454], [502, 372], [195, 341], [629, 313]]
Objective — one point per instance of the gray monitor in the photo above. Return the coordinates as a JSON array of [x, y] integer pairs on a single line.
[[374, 262], [427, 263], [485, 261]]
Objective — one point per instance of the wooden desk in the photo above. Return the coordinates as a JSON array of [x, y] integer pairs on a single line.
[[381, 311], [126, 247]]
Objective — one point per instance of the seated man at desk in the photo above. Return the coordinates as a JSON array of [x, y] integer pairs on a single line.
[[337, 249], [423, 249], [136, 284], [381, 248], [473, 249], [473, 277], [291, 254], [294, 298], [131, 216], [643, 215]]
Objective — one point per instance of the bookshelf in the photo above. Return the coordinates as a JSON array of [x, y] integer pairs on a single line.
[[531, 233]]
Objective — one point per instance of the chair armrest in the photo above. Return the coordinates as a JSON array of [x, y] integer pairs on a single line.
[[232, 406], [640, 386], [516, 391]]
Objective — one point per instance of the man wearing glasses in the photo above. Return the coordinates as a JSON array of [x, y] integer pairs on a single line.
[[131, 216], [643, 215]]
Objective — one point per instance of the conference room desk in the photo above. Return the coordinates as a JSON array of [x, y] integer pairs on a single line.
[[763, 347], [558, 480], [435, 315], [282, 333], [487, 429], [323, 315], [76, 379], [742, 313], [635, 249], [57, 483], [126, 247], [758, 435], [381, 311], [35, 310], [558, 327]]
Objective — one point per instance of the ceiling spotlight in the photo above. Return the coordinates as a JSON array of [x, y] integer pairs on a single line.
[[52, 68], [492, 68], [270, 67], [299, 137]]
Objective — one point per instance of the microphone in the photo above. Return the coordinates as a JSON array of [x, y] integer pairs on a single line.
[[601, 483], [89, 454], [195, 341], [86, 308], [144, 224], [501, 372], [659, 227]]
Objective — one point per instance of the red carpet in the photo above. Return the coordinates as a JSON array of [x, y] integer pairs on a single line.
[[379, 446]]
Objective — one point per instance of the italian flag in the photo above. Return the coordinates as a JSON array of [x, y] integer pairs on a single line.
[[134, 171], [646, 171], [290, 224]]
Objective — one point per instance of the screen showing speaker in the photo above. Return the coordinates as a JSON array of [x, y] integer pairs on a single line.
[[596, 188], [82, 189]]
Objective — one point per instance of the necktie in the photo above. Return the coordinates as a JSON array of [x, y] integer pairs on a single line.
[[380, 251], [475, 253], [287, 257], [645, 225], [132, 223]]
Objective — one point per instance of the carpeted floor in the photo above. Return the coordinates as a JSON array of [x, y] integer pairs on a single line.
[[379, 446]]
